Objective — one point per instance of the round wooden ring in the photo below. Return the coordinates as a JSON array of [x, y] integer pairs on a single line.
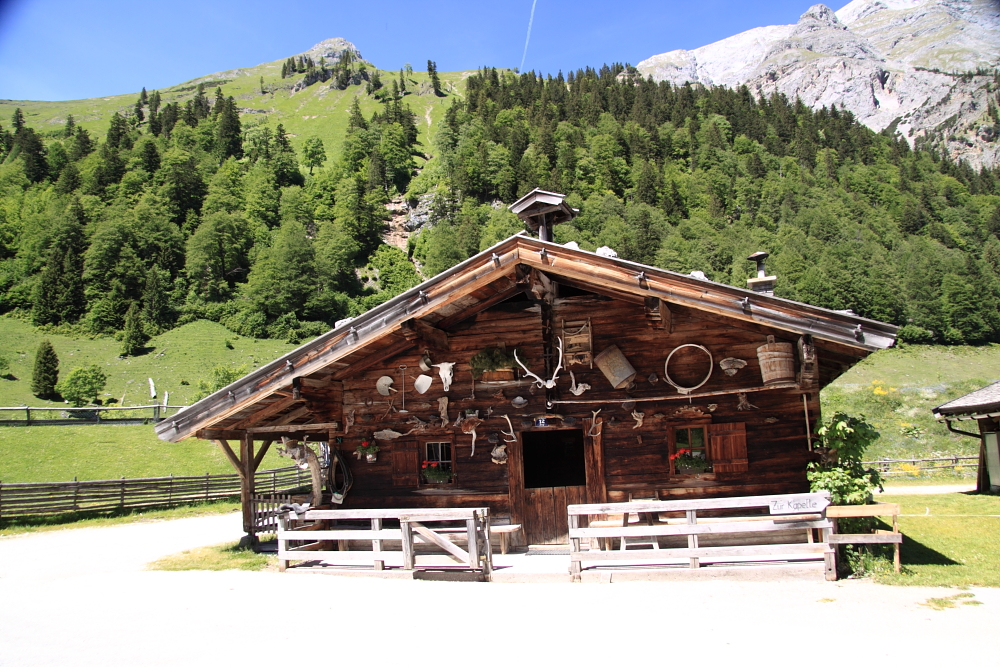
[[666, 369]]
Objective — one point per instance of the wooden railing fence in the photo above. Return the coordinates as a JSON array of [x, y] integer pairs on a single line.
[[786, 534], [319, 529], [133, 414], [897, 467], [40, 499]]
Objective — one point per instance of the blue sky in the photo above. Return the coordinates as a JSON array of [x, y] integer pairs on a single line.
[[68, 49]]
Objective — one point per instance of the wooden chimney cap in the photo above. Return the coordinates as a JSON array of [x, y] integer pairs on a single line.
[[538, 203]]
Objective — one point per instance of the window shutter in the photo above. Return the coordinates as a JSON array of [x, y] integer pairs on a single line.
[[727, 447], [404, 467]]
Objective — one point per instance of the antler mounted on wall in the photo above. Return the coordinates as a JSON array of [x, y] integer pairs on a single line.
[[539, 382]]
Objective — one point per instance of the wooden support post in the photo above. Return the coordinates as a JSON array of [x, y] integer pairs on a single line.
[[473, 539], [575, 566], [282, 527], [376, 544], [407, 543], [247, 486], [692, 519], [484, 527]]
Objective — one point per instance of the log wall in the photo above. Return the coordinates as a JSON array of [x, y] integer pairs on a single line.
[[627, 460]]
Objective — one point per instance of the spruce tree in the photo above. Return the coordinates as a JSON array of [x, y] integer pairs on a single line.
[[70, 127], [228, 133], [45, 373], [137, 112], [284, 161], [154, 102], [143, 97], [154, 299], [133, 335], [435, 81], [17, 120], [220, 102], [116, 131]]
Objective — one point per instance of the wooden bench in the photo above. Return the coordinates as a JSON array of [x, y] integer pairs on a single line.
[[791, 516], [505, 531], [412, 530], [893, 537]]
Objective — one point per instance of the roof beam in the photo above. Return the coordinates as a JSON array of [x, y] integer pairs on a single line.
[[414, 328], [386, 352]]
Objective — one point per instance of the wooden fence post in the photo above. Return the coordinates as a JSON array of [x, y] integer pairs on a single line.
[[122, 502], [76, 494]]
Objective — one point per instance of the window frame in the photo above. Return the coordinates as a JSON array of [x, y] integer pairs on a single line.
[[424, 443], [672, 429]]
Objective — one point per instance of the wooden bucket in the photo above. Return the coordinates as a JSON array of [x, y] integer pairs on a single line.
[[615, 367], [777, 362]]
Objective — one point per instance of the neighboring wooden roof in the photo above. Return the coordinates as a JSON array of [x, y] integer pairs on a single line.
[[430, 309], [537, 203], [983, 402]]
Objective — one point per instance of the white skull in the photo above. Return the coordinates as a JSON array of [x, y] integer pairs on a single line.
[[446, 370]]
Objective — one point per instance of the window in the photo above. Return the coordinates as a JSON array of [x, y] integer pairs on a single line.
[[437, 466], [689, 449]]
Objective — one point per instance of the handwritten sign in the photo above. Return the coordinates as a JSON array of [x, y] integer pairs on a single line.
[[798, 504]]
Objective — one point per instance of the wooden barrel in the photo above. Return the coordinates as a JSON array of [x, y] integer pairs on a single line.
[[777, 362], [615, 367]]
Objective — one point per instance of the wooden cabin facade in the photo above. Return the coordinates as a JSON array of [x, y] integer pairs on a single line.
[[720, 395]]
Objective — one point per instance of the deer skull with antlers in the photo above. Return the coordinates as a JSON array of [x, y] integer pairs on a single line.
[[539, 382]]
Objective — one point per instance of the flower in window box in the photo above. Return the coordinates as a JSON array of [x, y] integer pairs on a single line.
[[434, 474], [366, 450], [686, 461]]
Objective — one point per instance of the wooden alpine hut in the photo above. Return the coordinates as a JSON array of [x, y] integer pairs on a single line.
[[534, 375]]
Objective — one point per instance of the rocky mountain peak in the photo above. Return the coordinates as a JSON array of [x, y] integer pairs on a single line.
[[908, 64], [820, 16]]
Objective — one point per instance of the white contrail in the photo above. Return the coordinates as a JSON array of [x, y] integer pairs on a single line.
[[528, 38]]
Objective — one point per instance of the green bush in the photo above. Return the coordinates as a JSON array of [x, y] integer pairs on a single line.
[[82, 385], [844, 440]]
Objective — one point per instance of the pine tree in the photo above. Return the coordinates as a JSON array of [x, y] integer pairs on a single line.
[[81, 145], [17, 120], [155, 303], [201, 106], [137, 112], [435, 81], [220, 103], [154, 102], [133, 335], [284, 161], [70, 127], [356, 120], [143, 97], [116, 130], [228, 132], [284, 70], [45, 373]]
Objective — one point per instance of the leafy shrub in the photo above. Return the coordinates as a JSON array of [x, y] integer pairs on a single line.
[[221, 376], [82, 385], [844, 440]]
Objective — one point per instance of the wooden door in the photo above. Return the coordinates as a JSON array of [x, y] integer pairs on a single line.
[[545, 520], [551, 473]]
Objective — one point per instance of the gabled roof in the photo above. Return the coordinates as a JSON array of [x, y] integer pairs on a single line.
[[539, 204], [979, 403], [492, 276]]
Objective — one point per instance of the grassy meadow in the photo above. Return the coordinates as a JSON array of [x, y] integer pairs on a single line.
[[897, 389], [175, 360], [948, 540], [317, 111]]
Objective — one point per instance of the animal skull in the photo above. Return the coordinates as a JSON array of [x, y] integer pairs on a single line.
[[638, 417], [539, 382], [446, 370]]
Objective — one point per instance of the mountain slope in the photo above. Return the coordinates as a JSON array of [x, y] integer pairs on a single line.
[[893, 63], [317, 110]]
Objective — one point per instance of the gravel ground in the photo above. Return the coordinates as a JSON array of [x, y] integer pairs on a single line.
[[82, 597]]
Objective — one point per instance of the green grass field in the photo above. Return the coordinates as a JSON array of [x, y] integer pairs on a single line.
[[60, 453], [317, 111], [948, 540], [183, 355], [897, 389]]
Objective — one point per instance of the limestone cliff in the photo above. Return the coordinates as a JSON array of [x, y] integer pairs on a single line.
[[893, 63]]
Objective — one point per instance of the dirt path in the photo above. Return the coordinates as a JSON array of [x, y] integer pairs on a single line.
[[81, 597]]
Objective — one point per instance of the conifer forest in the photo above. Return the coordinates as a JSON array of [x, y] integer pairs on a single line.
[[185, 211]]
